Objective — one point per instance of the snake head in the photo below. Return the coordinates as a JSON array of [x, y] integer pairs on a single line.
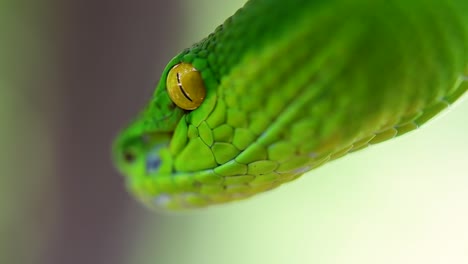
[[177, 157], [221, 151], [161, 153], [241, 139]]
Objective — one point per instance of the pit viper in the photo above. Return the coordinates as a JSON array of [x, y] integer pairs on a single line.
[[283, 87]]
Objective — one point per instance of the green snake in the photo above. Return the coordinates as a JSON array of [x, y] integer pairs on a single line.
[[283, 87]]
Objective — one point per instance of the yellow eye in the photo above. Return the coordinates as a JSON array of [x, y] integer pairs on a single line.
[[185, 86]]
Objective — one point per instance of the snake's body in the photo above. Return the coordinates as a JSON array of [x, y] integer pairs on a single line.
[[291, 85]]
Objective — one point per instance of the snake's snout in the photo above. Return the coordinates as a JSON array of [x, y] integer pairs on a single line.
[[141, 154]]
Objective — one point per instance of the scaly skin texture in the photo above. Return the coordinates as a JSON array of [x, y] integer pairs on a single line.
[[291, 85]]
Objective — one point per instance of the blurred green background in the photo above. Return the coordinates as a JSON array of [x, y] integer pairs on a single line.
[[73, 72]]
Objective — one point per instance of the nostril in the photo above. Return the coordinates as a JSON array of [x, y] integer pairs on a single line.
[[128, 156]]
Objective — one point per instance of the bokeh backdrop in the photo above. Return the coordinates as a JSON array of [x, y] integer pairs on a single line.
[[73, 72]]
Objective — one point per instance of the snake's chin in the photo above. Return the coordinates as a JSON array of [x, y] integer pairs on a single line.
[[169, 202]]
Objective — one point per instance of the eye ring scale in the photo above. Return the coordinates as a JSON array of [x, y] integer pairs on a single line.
[[185, 86]]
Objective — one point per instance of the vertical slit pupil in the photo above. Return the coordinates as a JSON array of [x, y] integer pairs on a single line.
[[182, 88]]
